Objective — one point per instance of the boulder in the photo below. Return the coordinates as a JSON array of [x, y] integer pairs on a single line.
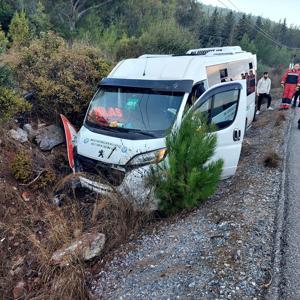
[[19, 135], [49, 137], [30, 131], [86, 247]]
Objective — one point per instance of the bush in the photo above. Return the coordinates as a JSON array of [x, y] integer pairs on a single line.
[[21, 167], [167, 37], [6, 76], [19, 29], [187, 178], [272, 159], [63, 80], [3, 41], [129, 48], [10, 104]]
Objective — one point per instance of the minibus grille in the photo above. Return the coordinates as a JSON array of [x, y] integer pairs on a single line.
[[112, 176]]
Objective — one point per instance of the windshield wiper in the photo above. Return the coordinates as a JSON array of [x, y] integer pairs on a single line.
[[122, 129], [139, 131]]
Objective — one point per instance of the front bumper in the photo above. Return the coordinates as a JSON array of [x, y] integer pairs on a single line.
[[134, 187]]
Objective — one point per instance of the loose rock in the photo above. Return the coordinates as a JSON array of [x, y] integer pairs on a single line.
[[49, 137], [19, 135], [30, 131], [85, 247]]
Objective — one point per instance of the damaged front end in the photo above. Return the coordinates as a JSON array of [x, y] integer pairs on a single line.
[[106, 177]]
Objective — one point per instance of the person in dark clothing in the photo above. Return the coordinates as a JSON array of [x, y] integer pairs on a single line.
[[296, 96], [263, 91]]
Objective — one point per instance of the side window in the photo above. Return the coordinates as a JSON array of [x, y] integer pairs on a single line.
[[205, 109], [197, 91], [224, 109], [251, 83], [223, 75], [221, 109]]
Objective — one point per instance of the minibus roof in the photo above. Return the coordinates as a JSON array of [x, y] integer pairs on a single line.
[[169, 67]]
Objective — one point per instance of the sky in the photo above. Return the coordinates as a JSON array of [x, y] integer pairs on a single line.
[[272, 9]]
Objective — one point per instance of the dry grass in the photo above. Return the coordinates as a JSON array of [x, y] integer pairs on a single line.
[[35, 229], [280, 118], [40, 228], [261, 122], [271, 159], [118, 219], [247, 148], [62, 283]]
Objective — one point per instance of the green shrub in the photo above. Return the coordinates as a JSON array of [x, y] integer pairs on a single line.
[[46, 180], [129, 48], [167, 37], [187, 177], [63, 79], [19, 29], [40, 20], [3, 41], [6, 76], [21, 167], [11, 103]]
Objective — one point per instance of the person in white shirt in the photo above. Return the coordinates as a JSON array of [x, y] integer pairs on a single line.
[[263, 91]]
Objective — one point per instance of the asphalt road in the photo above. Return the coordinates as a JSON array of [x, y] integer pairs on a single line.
[[290, 283]]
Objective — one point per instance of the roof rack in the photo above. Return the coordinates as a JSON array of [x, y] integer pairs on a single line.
[[154, 55], [215, 51]]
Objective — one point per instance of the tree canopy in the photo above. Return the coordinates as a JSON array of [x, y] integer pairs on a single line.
[[123, 28]]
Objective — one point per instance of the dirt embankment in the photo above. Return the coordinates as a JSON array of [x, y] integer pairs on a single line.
[[34, 224]]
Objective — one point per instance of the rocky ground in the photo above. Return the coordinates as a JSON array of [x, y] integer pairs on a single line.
[[221, 250]]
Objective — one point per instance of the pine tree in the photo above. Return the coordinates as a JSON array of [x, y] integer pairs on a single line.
[[188, 13], [3, 41], [247, 45], [227, 30], [6, 13], [212, 36], [19, 29], [249, 25], [257, 26], [187, 178], [40, 21], [240, 29], [283, 32]]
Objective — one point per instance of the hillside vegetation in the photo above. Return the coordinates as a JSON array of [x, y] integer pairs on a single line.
[[128, 27], [52, 55]]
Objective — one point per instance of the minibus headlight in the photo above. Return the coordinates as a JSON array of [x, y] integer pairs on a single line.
[[148, 157]]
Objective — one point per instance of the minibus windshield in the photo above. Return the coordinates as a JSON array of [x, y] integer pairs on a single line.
[[134, 110]]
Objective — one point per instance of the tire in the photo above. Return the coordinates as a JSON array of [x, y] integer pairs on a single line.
[[245, 132], [254, 117]]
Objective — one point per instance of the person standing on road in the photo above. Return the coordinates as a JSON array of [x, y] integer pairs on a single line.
[[296, 98], [290, 83], [263, 91]]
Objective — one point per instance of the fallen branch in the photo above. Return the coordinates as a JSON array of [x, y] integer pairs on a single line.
[[35, 179]]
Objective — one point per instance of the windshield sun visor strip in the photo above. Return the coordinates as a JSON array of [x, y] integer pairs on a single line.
[[184, 86]]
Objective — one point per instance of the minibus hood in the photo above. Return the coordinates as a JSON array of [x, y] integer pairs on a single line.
[[113, 150]]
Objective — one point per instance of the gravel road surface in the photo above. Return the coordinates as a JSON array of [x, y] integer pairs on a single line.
[[221, 250], [290, 283]]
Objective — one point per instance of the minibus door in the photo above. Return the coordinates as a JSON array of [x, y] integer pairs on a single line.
[[225, 105]]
